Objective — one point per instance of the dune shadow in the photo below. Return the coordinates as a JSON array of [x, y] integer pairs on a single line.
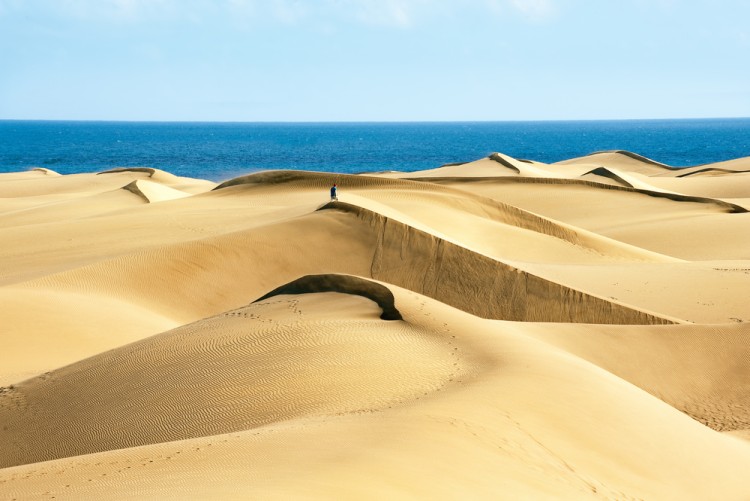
[[345, 284]]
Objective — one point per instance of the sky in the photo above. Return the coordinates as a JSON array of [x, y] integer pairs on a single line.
[[373, 60]]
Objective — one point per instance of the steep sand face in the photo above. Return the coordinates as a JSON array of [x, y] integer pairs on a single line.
[[576, 331], [476, 283]]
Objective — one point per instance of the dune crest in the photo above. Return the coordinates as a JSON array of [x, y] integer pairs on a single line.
[[712, 171], [636, 156], [45, 171], [525, 168], [724, 205], [608, 174], [479, 284], [145, 170], [505, 161], [152, 192], [623, 160], [343, 284]]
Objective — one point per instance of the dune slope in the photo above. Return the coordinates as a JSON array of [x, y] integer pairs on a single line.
[[438, 404], [497, 328]]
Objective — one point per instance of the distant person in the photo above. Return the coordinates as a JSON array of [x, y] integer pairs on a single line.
[[333, 193]]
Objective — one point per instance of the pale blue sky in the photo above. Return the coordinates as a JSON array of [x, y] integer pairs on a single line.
[[370, 60]]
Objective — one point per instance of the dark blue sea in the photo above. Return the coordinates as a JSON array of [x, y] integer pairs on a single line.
[[220, 151]]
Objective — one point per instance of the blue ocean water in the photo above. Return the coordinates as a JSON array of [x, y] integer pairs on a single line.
[[220, 151]]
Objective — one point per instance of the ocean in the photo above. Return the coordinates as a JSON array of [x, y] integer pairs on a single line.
[[220, 151]]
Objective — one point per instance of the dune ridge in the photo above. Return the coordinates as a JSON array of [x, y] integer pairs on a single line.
[[45, 171], [504, 161], [519, 294], [622, 159], [321, 180], [711, 171], [462, 278], [380, 294], [152, 192], [499, 210], [146, 170], [635, 156], [677, 197]]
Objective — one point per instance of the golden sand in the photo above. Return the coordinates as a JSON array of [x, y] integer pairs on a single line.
[[500, 329]]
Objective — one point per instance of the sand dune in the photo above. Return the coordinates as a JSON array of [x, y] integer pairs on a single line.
[[310, 284], [363, 403], [680, 226], [621, 159], [496, 164], [662, 360], [498, 328], [728, 166], [153, 192], [227, 378]]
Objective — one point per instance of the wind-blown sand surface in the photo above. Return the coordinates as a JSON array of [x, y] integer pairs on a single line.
[[502, 328]]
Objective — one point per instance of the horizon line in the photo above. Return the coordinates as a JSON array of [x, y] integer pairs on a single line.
[[276, 122]]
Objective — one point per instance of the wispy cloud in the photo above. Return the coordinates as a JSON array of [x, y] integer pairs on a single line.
[[285, 11], [408, 13], [290, 11], [129, 10], [401, 14], [535, 9]]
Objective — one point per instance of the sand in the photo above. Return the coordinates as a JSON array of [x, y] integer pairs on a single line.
[[502, 329]]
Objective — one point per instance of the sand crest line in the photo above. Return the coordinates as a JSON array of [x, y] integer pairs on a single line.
[[508, 292], [676, 197], [345, 284]]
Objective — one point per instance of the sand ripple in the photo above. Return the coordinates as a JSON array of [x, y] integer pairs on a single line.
[[270, 361]]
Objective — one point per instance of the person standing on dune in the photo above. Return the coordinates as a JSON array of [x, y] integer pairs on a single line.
[[334, 196]]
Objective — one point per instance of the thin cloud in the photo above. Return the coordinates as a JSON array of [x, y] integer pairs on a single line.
[[289, 11], [535, 9], [123, 10], [394, 13], [401, 14], [390, 12], [285, 11]]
